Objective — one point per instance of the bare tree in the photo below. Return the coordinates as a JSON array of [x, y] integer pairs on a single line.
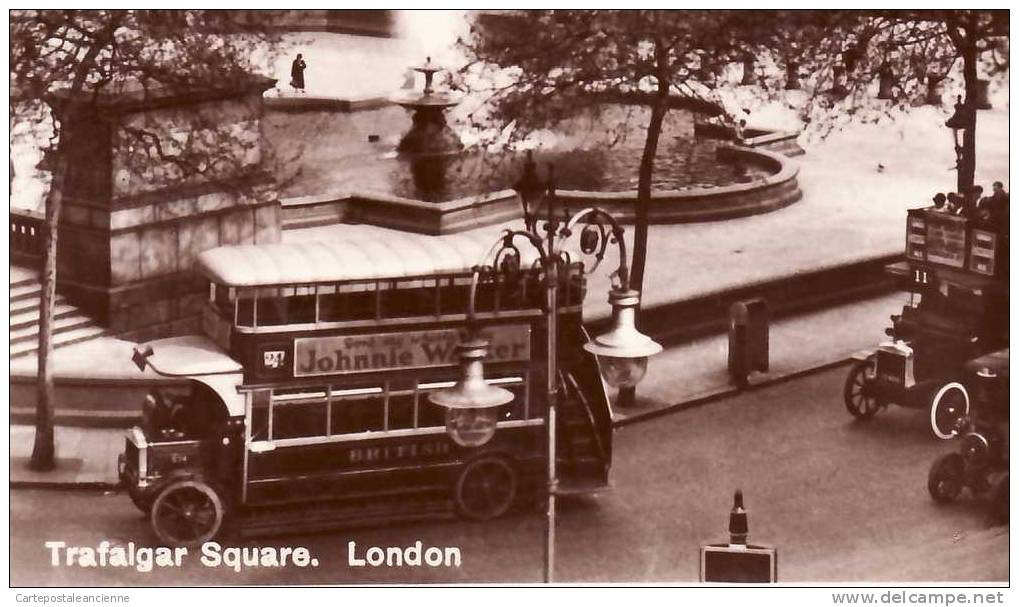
[[67, 61]]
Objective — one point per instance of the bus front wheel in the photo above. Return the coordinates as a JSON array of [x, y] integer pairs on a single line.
[[187, 513], [858, 402], [485, 489]]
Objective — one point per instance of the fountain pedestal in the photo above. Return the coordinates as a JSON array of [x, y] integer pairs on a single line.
[[429, 133]]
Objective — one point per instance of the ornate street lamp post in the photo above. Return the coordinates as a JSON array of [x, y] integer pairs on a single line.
[[622, 352]]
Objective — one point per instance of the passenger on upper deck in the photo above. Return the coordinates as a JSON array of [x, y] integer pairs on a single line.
[[970, 208], [939, 203], [954, 203], [995, 208]]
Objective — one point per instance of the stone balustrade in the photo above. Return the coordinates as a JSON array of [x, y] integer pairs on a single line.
[[28, 236]]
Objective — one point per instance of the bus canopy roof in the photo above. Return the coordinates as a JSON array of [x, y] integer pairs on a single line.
[[348, 259], [196, 357]]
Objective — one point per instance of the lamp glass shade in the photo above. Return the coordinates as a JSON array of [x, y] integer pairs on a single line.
[[471, 427], [623, 350], [623, 372], [471, 404]]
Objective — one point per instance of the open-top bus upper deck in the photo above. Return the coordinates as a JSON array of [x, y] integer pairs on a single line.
[[963, 250]]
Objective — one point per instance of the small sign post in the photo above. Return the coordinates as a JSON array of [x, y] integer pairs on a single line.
[[738, 562]]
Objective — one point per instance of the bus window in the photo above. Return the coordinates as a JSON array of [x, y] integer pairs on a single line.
[[298, 419], [454, 294], [486, 296], [246, 309], [430, 415], [355, 415], [350, 302], [260, 415], [271, 311], [515, 409], [221, 300], [300, 309], [401, 411], [332, 307], [406, 298]]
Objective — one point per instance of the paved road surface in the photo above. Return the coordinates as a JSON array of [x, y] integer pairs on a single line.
[[843, 501]]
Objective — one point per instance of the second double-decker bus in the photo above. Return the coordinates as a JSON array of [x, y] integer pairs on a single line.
[[958, 268], [304, 402]]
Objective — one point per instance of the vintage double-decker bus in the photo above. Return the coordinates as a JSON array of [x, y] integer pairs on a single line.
[[956, 269], [304, 402]]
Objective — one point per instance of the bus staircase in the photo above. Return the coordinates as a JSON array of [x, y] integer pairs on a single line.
[[70, 325], [584, 441]]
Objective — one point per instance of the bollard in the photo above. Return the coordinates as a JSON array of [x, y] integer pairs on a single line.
[[748, 339]]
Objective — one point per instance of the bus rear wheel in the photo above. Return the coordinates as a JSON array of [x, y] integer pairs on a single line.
[[187, 513], [486, 489]]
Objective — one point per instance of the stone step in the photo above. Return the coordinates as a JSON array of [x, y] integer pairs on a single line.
[[32, 303], [20, 274], [69, 322], [30, 316], [22, 282], [30, 290], [65, 338]]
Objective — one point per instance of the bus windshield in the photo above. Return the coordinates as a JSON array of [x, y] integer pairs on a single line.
[[182, 412]]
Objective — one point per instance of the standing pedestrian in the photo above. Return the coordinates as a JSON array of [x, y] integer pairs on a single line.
[[297, 73]]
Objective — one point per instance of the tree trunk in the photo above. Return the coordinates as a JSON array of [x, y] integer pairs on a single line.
[[968, 161], [647, 167], [43, 450], [627, 396]]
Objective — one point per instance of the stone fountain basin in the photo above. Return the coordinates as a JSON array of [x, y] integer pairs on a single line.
[[777, 190], [415, 99]]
